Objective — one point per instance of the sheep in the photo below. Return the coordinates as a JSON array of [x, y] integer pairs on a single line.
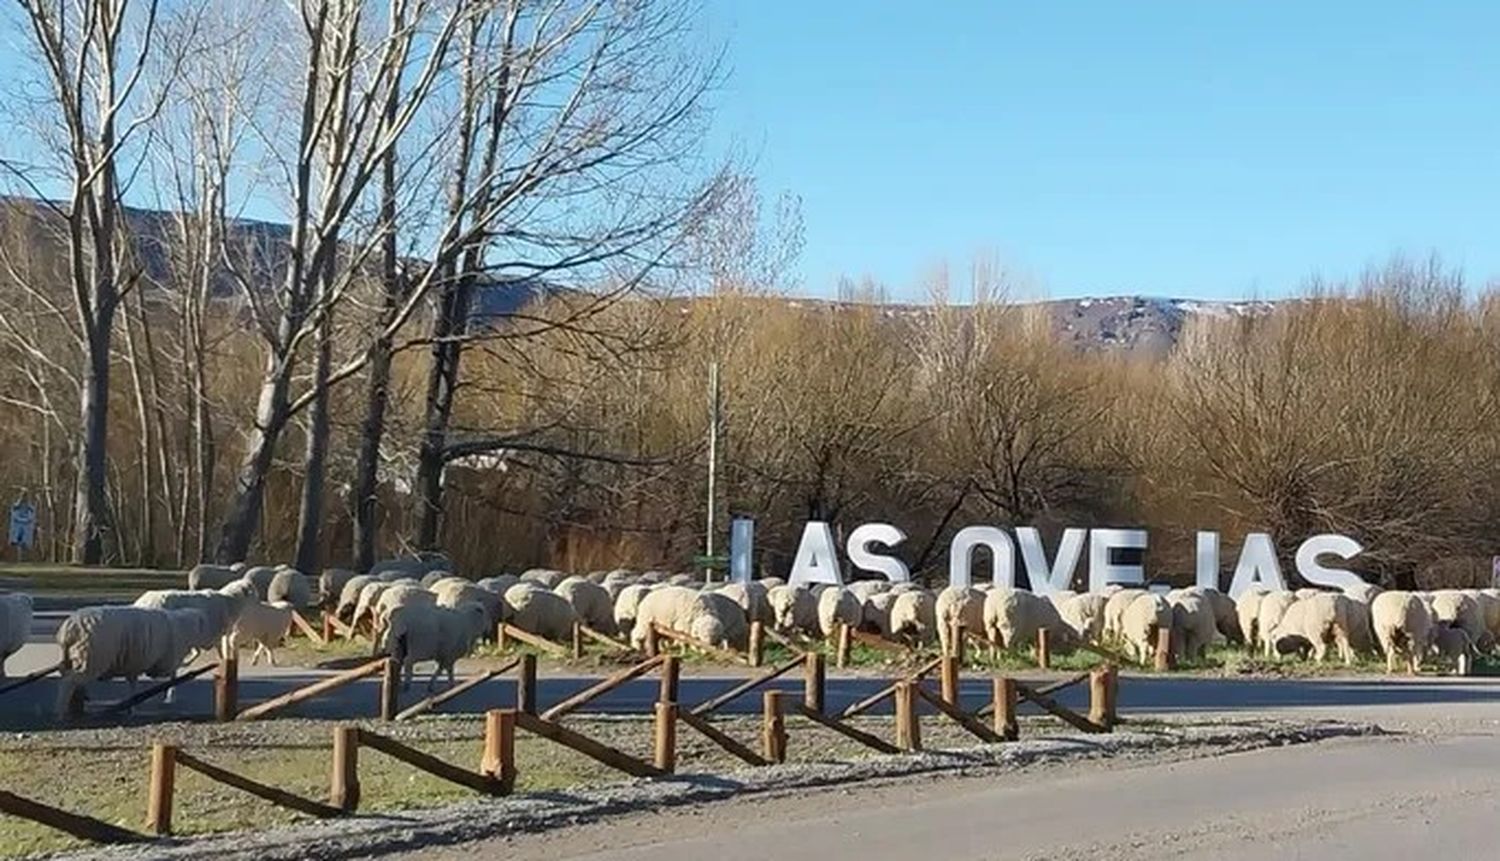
[[259, 576], [1114, 611], [453, 591], [1489, 604], [957, 606], [914, 616], [1060, 597], [1226, 616], [1320, 620], [409, 567], [627, 604], [402, 594], [1084, 614], [431, 633], [1365, 592], [15, 625], [1453, 643], [667, 606], [683, 580], [1147, 614], [1402, 625], [220, 609], [538, 611], [1357, 610], [1194, 627], [291, 587], [1268, 615], [772, 582], [129, 642], [864, 589], [752, 599], [1454, 608], [875, 615], [349, 595], [331, 586], [716, 619], [498, 583], [1247, 610], [653, 577], [793, 609], [432, 578], [264, 625], [1011, 617], [591, 602], [364, 605], [838, 607], [543, 577], [206, 576]]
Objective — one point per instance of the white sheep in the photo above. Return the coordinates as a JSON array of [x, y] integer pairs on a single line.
[[1454, 608], [1012, 618], [1084, 614], [666, 606], [399, 594], [419, 632], [752, 599], [1247, 611], [498, 583], [1320, 620], [451, 592], [1403, 626], [1060, 597], [265, 626], [220, 609], [122, 642], [914, 616], [1147, 614], [364, 606], [331, 586], [838, 607], [15, 625], [1114, 611], [957, 606], [793, 609], [590, 601], [627, 604], [684, 580], [772, 582], [875, 615], [1489, 603], [290, 586], [864, 589], [543, 577], [717, 620], [206, 576], [349, 595], [540, 612], [1194, 627], [1268, 616]]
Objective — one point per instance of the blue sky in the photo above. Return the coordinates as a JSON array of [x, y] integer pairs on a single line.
[[1206, 149]]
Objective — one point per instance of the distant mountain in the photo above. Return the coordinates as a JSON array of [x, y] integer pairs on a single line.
[[1136, 324]]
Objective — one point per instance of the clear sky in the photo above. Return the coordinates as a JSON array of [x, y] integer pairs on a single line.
[[1200, 148]]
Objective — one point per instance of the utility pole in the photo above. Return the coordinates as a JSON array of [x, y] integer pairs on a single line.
[[713, 464]]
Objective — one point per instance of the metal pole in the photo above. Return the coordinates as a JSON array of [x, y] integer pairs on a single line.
[[713, 462]]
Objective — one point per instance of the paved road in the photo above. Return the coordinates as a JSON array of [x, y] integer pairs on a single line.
[[1361, 800]]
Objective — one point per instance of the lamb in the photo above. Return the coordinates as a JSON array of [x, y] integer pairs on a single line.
[[792, 609], [957, 606], [1013, 616], [838, 607], [1114, 611], [667, 606], [1194, 627], [540, 612], [15, 625], [419, 632], [1402, 625], [454, 591], [1084, 614], [1147, 614], [752, 599], [591, 602], [128, 642], [1268, 615], [627, 605], [914, 616], [205, 576], [543, 577], [875, 615], [264, 625], [290, 586]]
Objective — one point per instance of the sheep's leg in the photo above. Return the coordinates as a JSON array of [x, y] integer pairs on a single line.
[[270, 657], [437, 667]]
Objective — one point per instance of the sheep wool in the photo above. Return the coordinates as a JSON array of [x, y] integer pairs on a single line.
[[122, 642], [219, 609], [667, 606], [1114, 611], [206, 576], [717, 620], [1013, 616], [590, 601], [837, 607], [793, 609], [15, 625], [1147, 614], [1268, 616], [1247, 609], [541, 612], [752, 599], [1403, 627], [627, 604], [876, 613], [290, 586], [452, 592], [264, 626], [331, 586], [419, 632], [543, 577], [957, 606], [914, 616], [1084, 614], [349, 595], [1194, 628]]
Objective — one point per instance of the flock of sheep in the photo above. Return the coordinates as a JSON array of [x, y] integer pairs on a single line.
[[415, 610]]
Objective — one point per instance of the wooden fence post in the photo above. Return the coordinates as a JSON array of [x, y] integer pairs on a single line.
[[666, 737], [653, 647], [577, 641], [390, 689], [499, 760], [757, 650], [159, 793], [948, 679], [908, 729], [772, 727], [1005, 709], [959, 640], [1102, 696], [841, 651], [1043, 650], [526, 684], [1163, 656], [343, 790], [328, 630], [502, 642], [671, 674], [227, 688], [813, 681]]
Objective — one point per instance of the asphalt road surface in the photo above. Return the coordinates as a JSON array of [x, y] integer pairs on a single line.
[[1355, 800]]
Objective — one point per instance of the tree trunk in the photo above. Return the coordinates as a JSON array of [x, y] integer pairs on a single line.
[[315, 461], [89, 504], [243, 517], [431, 455]]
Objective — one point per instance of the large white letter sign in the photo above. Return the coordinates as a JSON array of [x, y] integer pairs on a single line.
[[1341, 546], [961, 556], [1208, 561], [1103, 570], [861, 557], [1059, 577], [816, 561], [1257, 567]]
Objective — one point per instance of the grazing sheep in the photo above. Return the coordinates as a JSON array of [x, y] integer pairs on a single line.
[[614, 582], [331, 586], [400, 594], [122, 642], [1453, 644], [499, 583], [419, 633], [1489, 605], [1365, 592], [1320, 620], [653, 577], [259, 576], [1455, 608], [1114, 611], [1357, 611], [364, 605], [667, 606], [875, 615], [863, 589], [914, 616], [1194, 627], [452, 592], [958, 606], [1226, 615], [1147, 614], [716, 619], [627, 604], [838, 607], [543, 577], [1011, 618], [591, 602], [540, 612], [1247, 611], [1403, 626], [684, 580], [290, 586], [793, 609], [206, 576], [1059, 598], [1084, 614], [220, 609], [15, 625], [752, 599], [772, 582], [265, 626], [1268, 614], [349, 596], [432, 578]]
